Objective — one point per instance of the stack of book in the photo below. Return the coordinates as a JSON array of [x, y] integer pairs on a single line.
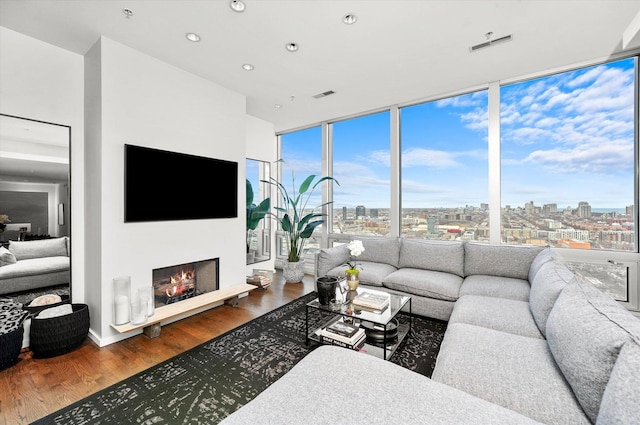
[[343, 334], [261, 278], [373, 301]]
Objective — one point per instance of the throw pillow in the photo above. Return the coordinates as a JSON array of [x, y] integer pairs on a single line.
[[10, 320], [7, 304], [6, 257]]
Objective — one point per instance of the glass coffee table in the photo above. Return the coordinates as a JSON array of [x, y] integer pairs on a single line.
[[384, 332]]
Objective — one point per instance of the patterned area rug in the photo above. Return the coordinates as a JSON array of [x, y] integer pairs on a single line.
[[211, 381]]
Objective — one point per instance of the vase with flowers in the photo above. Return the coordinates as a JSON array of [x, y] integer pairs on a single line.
[[353, 273]]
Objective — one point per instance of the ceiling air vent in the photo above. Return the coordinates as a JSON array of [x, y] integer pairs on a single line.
[[324, 94], [491, 42]]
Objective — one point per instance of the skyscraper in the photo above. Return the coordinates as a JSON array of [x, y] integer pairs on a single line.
[[584, 209]]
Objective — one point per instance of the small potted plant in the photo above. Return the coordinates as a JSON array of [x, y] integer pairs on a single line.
[[356, 248], [255, 213]]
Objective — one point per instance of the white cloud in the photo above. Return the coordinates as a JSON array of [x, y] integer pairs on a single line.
[[608, 158], [379, 157], [477, 119], [416, 187], [576, 122], [419, 157]]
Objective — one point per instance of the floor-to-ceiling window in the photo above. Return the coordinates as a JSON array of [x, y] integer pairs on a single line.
[[301, 154], [444, 188], [567, 164], [361, 166], [565, 169]]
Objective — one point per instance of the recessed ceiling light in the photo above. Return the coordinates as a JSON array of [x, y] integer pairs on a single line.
[[292, 47], [127, 12], [237, 6], [277, 106], [192, 36], [248, 67], [349, 18]]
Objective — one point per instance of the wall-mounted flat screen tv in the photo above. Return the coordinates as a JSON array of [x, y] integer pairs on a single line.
[[161, 185]]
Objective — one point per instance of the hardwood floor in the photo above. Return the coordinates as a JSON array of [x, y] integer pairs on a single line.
[[34, 388]]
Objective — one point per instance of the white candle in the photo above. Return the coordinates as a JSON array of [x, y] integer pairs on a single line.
[[147, 294], [151, 307], [121, 310]]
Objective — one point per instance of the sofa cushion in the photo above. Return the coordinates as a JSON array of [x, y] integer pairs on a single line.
[[503, 260], [320, 390], [500, 314], [546, 286], [25, 250], [426, 283], [439, 256], [620, 402], [496, 286], [6, 257], [586, 330], [35, 267], [543, 257], [513, 371], [370, 273], [330, 258], [380, 250]]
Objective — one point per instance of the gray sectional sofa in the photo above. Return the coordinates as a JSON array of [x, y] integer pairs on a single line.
[[527, 341], [28, 265], [433, 272]]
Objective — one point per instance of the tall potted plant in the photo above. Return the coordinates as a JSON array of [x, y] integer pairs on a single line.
[[297, 221], [255, 213]]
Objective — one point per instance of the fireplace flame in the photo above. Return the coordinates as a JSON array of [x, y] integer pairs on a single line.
[[176, 283], [181, 277]]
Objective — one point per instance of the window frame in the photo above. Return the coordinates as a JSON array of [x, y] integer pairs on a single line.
[[629, 259]]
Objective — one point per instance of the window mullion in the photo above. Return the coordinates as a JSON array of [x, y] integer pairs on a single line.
[[493, 117]]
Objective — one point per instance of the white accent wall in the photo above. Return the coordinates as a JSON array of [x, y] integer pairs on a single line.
[[133, 98], [115, 95]]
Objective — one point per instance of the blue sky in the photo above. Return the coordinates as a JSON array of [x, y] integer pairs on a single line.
[[566, 138]]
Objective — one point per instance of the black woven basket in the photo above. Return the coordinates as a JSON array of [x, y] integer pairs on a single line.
[[10, 346], [59, 335]]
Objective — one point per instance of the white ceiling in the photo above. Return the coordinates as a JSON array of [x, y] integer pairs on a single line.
[[33, 151], [397, 52]]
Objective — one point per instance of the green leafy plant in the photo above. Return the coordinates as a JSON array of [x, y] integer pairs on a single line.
[[255, 213], [296, 220]]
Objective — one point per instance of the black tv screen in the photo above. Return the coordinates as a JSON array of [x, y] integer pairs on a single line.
[[161, 185]]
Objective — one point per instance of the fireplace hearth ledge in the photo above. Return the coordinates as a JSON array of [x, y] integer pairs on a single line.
[[151, 327]]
